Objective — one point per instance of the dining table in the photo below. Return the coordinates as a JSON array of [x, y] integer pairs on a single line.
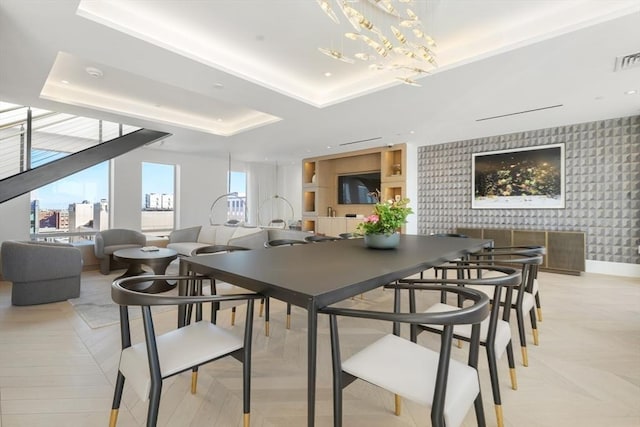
[[317, 275]]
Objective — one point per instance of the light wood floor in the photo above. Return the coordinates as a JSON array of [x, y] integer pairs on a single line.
[[56, 371]]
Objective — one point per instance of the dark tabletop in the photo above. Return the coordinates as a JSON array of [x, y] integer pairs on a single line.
[[139, 255], [330, 271]]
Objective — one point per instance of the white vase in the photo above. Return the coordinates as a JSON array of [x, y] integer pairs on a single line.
[[381, 240]]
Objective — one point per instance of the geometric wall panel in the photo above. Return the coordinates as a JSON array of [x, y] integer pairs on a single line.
[[602, 187]]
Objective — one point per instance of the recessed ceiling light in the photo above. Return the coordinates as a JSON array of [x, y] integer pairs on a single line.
[[218, 86], [631, 92], [328, 74], [66, 82], [328, 147], [412, 132], [219, 120], [94, 72]]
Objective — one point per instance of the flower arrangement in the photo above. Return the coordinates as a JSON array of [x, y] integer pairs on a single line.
[[387, 217]]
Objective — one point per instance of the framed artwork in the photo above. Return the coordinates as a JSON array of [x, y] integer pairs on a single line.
[[523, 178]]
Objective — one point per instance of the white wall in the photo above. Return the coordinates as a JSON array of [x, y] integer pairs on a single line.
[[14, 219], [199, 181], [411, 173], [263, 188]]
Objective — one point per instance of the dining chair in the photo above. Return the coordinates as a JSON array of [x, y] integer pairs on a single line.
[[535, 290], [283, 242], [277, 223], [350, 235], [222, 288], [528, 259], [431, 378], [495, 332], [458, 235], [146, 363], [318, 239]]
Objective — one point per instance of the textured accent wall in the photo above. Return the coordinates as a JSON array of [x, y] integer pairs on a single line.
[[602, 165]]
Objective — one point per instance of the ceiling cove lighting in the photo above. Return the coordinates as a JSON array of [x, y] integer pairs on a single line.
[[388, 33]]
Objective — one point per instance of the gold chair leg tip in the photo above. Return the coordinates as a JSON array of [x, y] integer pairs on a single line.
[[194, 382], [113, 418], [398, 405], [514, 379], [499, 416]]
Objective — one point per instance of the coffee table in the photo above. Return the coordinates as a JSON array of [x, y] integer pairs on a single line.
[[158, 260]]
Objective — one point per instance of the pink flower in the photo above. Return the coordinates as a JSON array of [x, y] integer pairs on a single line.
[[372, 218]]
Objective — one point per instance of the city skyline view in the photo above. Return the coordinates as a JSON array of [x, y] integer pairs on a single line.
[[92, 185]]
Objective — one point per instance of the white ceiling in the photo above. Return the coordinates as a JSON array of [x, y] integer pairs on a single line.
[[246, 77]]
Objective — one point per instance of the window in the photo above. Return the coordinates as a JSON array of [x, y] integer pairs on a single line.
[[157, 198], [237, 205], [75, 204]]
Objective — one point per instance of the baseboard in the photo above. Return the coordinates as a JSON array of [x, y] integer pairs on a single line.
[[612, 268]]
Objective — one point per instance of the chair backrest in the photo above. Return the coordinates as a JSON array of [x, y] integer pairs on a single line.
[[283, 242], [486, 274], [315, 238], [527, 258], [350, 235], [117, 236], [277, 222], [449, 235], [213, 249]]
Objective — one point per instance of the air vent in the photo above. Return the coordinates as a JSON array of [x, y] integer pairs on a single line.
[[626, 62], [519, 112], [360, 141]]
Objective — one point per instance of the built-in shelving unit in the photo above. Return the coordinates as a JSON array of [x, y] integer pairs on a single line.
[[321, 212]]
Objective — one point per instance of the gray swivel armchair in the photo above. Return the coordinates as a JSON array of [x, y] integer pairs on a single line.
[[41, 272], [108, 241]]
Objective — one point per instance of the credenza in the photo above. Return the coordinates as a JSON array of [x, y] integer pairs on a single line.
[[565, 249]]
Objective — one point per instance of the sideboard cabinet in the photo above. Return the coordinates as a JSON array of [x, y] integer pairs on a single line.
[[565, 249]]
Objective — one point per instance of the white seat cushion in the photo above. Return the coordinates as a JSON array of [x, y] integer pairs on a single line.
[[178, 350], [503, 331], [409, 370]]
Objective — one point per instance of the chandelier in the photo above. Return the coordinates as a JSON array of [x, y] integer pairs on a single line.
[[390, 34]]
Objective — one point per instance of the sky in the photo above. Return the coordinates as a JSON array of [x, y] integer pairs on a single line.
[[93, 185]]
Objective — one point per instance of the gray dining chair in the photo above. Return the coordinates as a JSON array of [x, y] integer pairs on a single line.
[[283, 242], [145, 364], [527, 260], [495, 331], [409, 370], [222, 288]]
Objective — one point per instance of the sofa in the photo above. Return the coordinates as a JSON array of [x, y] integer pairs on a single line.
[[41, 272], [187, 240], [106, 242]]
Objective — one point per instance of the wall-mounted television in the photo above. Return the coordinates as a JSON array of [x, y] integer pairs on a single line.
[[356, 188]]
